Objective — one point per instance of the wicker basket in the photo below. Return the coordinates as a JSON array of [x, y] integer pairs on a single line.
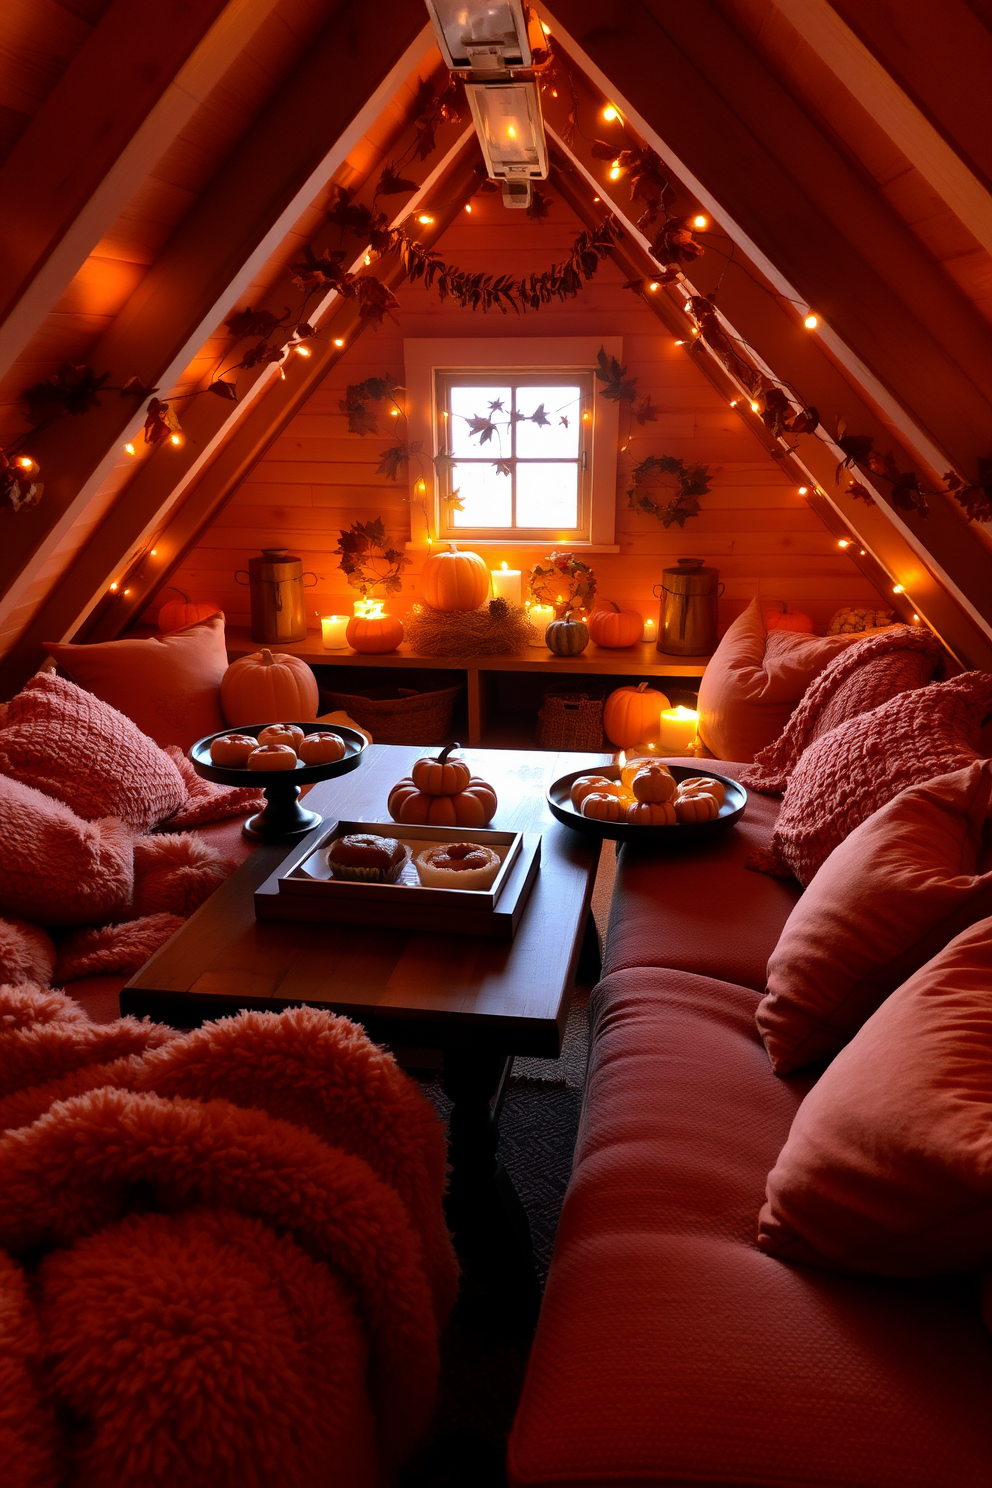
[[399, 715], [571, 720]]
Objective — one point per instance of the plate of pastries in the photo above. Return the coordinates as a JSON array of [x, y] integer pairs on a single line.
[[262, 754], [647, 800]]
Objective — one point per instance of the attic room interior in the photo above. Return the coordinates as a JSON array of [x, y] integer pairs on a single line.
[[495, 717]]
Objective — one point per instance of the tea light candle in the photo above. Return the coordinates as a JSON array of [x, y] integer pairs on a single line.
[[506, 583], [650, 630], [540, 617], [677, 732], [332, 632], [361, 606]]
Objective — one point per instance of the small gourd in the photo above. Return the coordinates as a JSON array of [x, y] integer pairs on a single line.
[[692, 809], [703, 785], [651, 814], [602, 807], [321, 749], [566, 637], [176, 614], [440, 775], [653, 786], [586, 784]]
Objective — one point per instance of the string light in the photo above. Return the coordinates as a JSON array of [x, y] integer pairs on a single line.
[[811, 322], [176, 439], [468, 206], [734, 401], [916, 618], [597, 198], [610, 113], [154, 553], [303, 351], [554, 92], [898, 589], [615, 171], [113, 588], [545, 28], [678, 343], [755, 407], [861, 552], [585, 418], [843, 542], [695, 330], [126, 593], [129, 448], [804, 490], [425, 219], [394, 413], [338, 340], [700, 222], [368, 259], [26, 463]]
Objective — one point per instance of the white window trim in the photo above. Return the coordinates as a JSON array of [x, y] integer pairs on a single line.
[[423, 357]]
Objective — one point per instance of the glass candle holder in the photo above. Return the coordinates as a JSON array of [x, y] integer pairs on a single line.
[[333, 632], [677, 731], [540, 617]]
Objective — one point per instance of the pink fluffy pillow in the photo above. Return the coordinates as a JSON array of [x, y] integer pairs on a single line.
[[72, 746], [888, 898], [888, 1166], [104, 950], [57, 869], [754, 680], [175, 873], [27, 954], [850, 772]]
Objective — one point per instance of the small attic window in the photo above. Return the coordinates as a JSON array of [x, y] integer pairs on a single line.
[[530, 455]]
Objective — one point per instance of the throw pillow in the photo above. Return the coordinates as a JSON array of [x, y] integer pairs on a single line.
[[887, 899], [71, 745], [866, 674], [27, 954], [753, 681], [849, 773], [55, 868], [169, 685], [888, 1166]]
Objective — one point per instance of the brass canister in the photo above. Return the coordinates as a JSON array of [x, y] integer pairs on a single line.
[[276, 584], [687, 613]]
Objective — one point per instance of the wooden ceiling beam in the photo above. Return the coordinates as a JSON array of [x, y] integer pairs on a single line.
[[863, 74], [114, 113], [799, 208], [348, 76]]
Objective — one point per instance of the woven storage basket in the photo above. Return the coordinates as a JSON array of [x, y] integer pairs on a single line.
[[400, 715], [571, 720]]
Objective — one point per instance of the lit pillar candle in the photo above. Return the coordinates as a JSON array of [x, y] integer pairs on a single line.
[[332, 632], [677, 733], [506, 583], [650, 630], [540, 617]]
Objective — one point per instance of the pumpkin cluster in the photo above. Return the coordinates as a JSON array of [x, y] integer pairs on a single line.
[[441, 791], [646, 795]]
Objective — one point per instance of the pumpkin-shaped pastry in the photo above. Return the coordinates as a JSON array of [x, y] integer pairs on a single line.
[[651, 814], [321, 749], [282, 733], [655, 786], [703, 785], [701, 808], [441, 775], [588, 783], [602, 807], [272, 757], [232, 750]]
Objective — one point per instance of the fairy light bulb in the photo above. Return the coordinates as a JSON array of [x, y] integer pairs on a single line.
[[811, 322], [699, 222], [425, 218], [545, 28], [302, 351], [175, 440], [368, 259], [615, 171], [338, 340], [468, 207], [153, 553], [804, 490], [755, 407], [898, 588], [843, 542], [129, 448], [654, 285], [610, 113], [679, 343], [113, 588]]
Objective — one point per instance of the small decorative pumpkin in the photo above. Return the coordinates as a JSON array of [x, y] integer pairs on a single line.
[[374, 634], [602, 807], [615, 628], [282, 733], [475, 806], [268, 687], [272, 757], [703, 785], [654, 786], [567, 637], [780, 617], [440, 775], [321, 749], [455, 580], [631, 715], [699, 808], [232, 750], [651, 814], [176, 614], [640, 762], [588, 783]]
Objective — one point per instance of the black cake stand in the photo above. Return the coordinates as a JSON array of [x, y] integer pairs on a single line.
[[282, 819]]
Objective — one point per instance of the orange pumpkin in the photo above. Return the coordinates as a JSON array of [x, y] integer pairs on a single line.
[[601, 807], [321, 749], [268, 687], [699, 808], [455, 580], [475, 806], [588, 783], [374, 634], [654, 786], [282, 733], [232, 750], [615, 628], [176, 614], [632, 715], [272, 757], [780, 617], [703, 785], [651, 814], [640, 762], [440, 775]]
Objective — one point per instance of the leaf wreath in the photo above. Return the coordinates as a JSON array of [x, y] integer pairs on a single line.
[[563, 581], [690, 482], [367, 559]]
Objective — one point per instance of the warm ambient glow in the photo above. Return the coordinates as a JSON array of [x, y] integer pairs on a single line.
[[804, 490], [333, 630], [810, 322], [898, 588], [338, 340], [700, 222], [610, 113], [677, 730], [615, 171], [303, 351], [129, 448]]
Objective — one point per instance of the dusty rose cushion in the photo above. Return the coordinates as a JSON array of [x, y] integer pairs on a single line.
[[175, 873], [27, 954], [853, 770], [68, 743], [55, 868], [754, 680], [887, 899], [169, 685], [888, 1166]]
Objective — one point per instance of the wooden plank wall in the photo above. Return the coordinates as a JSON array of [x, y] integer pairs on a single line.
[[317, 478]]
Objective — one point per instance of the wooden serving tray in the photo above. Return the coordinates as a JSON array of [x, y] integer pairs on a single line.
[[302, 888]]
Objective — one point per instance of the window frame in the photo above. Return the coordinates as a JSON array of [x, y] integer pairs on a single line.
[[493, 357]]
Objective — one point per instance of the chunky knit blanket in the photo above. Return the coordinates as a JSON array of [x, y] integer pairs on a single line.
[[867, 674]]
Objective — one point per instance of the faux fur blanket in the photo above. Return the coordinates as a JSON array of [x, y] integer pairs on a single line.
[[860, 678]]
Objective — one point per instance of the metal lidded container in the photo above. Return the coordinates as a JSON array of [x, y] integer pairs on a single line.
[[276, 584], [687, 613]]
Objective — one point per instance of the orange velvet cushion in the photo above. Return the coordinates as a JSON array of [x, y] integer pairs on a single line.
[[888, 1166], [55, 868], [754, 680], [169, 685], [887, 899]]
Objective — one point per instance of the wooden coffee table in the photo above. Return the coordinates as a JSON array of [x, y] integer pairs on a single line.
[[478, 1001]]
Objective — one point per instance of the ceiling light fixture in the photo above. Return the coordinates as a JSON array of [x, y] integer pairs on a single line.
[[483, 35], [507, 118]]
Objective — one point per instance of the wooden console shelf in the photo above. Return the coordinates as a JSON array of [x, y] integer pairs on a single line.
[[642, 660]]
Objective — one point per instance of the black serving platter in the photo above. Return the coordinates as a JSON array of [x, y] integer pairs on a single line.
[[731, 811], [282, 819]]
